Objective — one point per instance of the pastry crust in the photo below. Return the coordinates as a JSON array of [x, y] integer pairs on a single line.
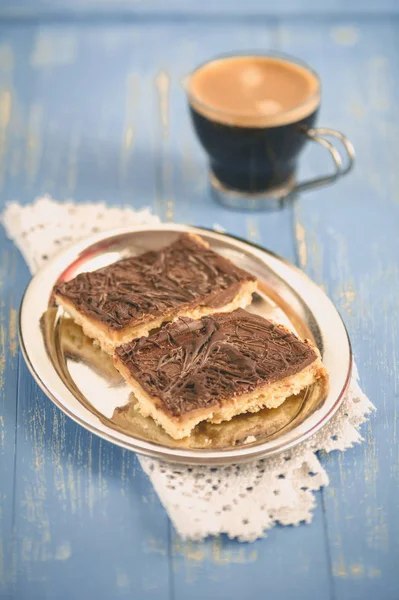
[[132, 297], [267, 396], [110, 339], [235, 364]]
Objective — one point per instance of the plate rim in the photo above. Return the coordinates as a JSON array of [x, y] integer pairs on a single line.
[[178, 455]]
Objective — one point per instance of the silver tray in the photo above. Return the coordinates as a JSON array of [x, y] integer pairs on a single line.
[[81, 380]]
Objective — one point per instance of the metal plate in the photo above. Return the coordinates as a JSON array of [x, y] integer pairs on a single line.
[[81, 379]]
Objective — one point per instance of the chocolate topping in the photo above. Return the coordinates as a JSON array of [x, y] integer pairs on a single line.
[[185, 274], [196, 364]]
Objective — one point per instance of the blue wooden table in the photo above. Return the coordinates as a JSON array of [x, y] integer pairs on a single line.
[[91, 107]]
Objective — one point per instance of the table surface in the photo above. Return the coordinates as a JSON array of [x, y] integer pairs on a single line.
[[91, 108]]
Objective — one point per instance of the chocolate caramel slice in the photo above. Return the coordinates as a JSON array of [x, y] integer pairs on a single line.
[[131, 297], [215, 368]]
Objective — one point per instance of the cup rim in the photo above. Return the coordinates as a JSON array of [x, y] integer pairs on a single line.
[[193, 99]]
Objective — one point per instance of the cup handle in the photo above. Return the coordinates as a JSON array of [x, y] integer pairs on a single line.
[[319, 135]]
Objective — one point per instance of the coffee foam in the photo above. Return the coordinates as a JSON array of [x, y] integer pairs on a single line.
[[254, 91]]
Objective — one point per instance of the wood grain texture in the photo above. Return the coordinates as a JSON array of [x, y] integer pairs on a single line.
[[96, 111], [10, 290], [76, 503], [17, 9], [86, 517], [222, 568], [349, 241]]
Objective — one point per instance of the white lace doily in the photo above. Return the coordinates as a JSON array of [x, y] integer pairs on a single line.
[[241, 501]]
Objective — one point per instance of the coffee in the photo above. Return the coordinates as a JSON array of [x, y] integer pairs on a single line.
[[250, 114]]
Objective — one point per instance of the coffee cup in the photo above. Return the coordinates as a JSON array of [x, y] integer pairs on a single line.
[[253, 115]]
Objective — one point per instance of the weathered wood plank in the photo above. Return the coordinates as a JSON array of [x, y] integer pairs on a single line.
[[349, 241], [13, 272], [85, 516], [290, 562], [11, 285], [75, 131], [95, 9], [223, 568]]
